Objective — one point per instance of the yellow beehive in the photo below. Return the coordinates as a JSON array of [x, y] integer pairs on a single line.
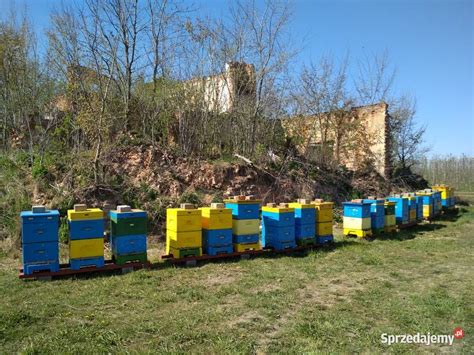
[[324, 228], [216, 218], [324, 211], [300, 205], [86, 248], [412, 216], [185, 252], [245, 247], [85, 214], [358, 232], [278, 209], [245, 226], [356, 223], [183, 220], [427, 210], [446, 191], [181, 240]]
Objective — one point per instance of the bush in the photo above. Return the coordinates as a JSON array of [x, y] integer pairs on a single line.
[[190, 197]]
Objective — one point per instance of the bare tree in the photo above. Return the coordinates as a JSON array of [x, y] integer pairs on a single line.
[[25, 88], [407, 135], [323, 98], [375, 78], [90, 72]]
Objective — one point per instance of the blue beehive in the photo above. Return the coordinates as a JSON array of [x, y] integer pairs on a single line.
[[419, 208], [278, 227], [377, 214], [305, 222], [40, 240], [436, 202], [356, 209], [86, 229], [401, 208], [245, 210], [128, 238], [357, 218], [217, 241], [245, 222]]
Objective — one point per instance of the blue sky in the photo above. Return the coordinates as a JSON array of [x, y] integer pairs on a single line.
[[430, 42]]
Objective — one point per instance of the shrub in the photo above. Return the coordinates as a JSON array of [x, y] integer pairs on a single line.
[[190, 197]]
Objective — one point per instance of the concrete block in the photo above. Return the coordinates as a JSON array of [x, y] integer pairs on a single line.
[[217, 205], [80, 207], [124, 208], [38, 209], [187, 206]]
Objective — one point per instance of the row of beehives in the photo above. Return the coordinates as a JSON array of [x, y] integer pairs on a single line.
[[365, 217], [237, 226], [40, 237]]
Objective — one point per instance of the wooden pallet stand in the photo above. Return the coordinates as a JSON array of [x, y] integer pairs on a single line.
[[65, 270], [192, 260]]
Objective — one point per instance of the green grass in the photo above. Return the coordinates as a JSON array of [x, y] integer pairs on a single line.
[[338, 300]]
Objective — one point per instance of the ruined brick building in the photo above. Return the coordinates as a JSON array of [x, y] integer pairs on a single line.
[[366, 137], [224, 92]]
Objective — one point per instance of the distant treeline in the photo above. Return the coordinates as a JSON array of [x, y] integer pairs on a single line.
[[455, 171]]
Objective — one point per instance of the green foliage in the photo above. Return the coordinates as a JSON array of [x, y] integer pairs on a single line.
[[156, 210], [63, 203], [131, 196], [63, 230], [38, 170], [356, 194], [15, 196], [190, 197], [218, 197]]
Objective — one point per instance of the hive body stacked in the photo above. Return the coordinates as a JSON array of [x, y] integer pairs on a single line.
[[401, 209], [427, 201], [278, 227], [419, 207], [447, 195], [324, 221], [217, 229], [245, 223], [377, 214], [356, 218], [128, 235], [305, 222], [436, 202], [86, 237], [390, 221], [412, 207], [183, 231], [40, 240]]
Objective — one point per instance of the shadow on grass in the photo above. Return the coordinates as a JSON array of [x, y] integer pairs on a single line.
[[411, 233], [451, 215]]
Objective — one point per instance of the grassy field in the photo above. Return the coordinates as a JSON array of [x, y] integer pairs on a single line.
[[339, 299]]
